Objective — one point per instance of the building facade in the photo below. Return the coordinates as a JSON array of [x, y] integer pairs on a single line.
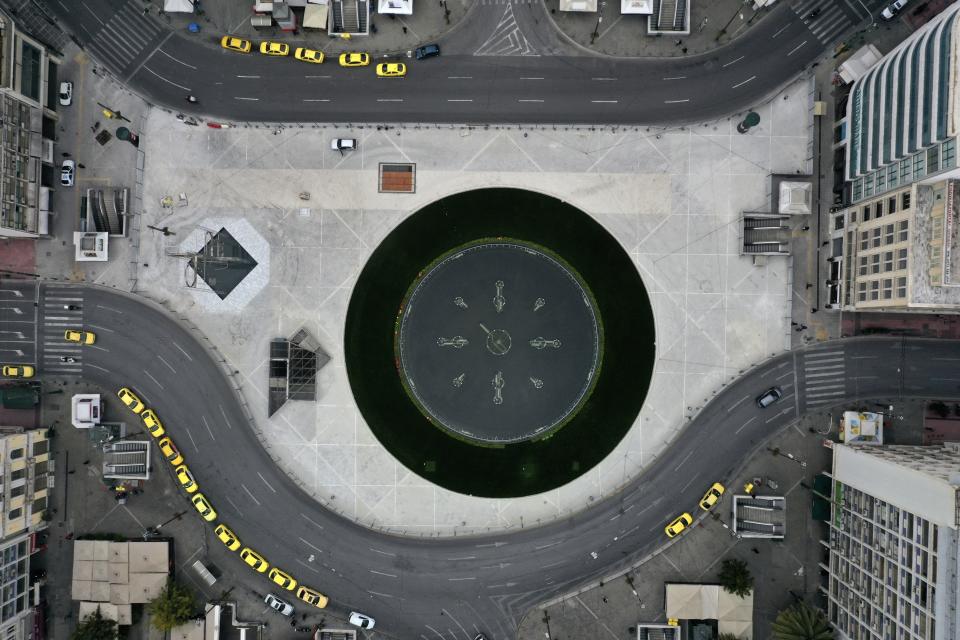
[[27, 474], [18, 610], [893, 542]]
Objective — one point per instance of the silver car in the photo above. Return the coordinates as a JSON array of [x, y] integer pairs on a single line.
[[361, 620], [67, 171], [280, 606]]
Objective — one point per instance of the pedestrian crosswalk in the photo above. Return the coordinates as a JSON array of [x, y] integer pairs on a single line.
[[826, 19], [124, 36], [61, 308], [824, 377], [507, 38]]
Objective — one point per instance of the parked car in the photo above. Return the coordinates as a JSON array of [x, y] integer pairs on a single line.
[[769, 396], [280, 606], [66, 93], [236, 44], [427, 51], [67, 172], [308, 55], [227, 537], [18, 371], [391, 70], [354, 59], [712, 496], [130, 399], [343, 144], [361, 620], [679, 523], [893, 9]]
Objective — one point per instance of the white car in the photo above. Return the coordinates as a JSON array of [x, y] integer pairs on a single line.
[[66, 93], [278, 605], [893, 9], [341, 144], [362, 621], [67, 171]]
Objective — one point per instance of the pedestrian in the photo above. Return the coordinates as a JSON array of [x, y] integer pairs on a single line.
[[604, 598], [80, 165], [72, 471], [65, 154], [793, 324], [809, 286], [805, 227], [678, 42], [755, 550], [684, 50], [86, 462], [404, 30], [813, 310]]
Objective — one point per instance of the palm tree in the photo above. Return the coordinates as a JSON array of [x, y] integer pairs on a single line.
[[735, 577], [802, 622]]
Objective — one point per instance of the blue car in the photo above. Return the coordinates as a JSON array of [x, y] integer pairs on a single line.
[[427, 51]]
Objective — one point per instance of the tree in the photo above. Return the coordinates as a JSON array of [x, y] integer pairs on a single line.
[[735, 577], [172, 607], [95, 627], [801, 622]]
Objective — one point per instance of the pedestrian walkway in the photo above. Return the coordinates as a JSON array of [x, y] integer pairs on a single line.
[[823, 377], [125, 36], [826, 19], [55, 319]]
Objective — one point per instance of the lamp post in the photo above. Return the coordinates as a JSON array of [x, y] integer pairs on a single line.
[[596, 29]]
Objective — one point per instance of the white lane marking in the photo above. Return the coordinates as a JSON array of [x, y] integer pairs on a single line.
[[85, 6], [777, 416], [311, 521], [265, 482], [547, 546], [687, 457], [249, 494], [316, 100], [179, 86], [96, 367], [207, 425], [781, 30], [459, 77], [553, 564], [734, 405], [787, 374], [531, 78], [676, 101], [234, 505], [605, 101], [250, 99], [676, 78], [796, 48], [386, 553], [160, 358], [154, 379], [529, 100], [385, 595], [314, 569], [250, 77], [93, 346], [183, 352], [740, 84], [381, 573], [175, 60], [603, 79], [99, 328], [318, 550], [734, 61], [389, 99], [65, 7], [689, 482], [452, 100], [460, 579], [224, 414], [946, 359], [462, 558], [316, 76], [190, 435]]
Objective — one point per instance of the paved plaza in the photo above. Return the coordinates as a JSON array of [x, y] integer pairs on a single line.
[[672, 198]]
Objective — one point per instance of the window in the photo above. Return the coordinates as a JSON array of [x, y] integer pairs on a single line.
[[919, 166], [933, 159], [949, 153], [878, 209], [901, 287], [901, 259], [862, 291], [16, 454], [892, 175], [906, 171], [41, 447], [853, 215], [877, 236], [864, 240], [875, 290], [881, 180], [868, 185], [18, 491], [857, 189], [888, 234], [892, 204], [888, 261], [866, 213], [875, 263], [838, 223], [903, 228], [887, 289], [863, 265], [904, 201], [18, 474], [15, 513]]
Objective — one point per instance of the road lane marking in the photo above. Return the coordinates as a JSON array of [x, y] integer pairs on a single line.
[[796, 48], [154, 379], [547, 546], [529, 100], [689, 482], [687, 457], [183, 352], [207, 425], [85, 6], [453, 100], [460, 579], [734, 405], [734, 61], [389, 99], [462, 558], [250, 99], [787, 374], [314, 569], [603, 79], [234, 505], [459, 77], [554, 564], [740, 84], [96, 367], [316, 76], [385, 595], [251, 77], [386, 553], [160, 358], [179, 86], [250, 494], [318, 550], [93, 346], [311, 521], [676, 78], [676, 101], [99, 328], [781, 30], [224, 414], [744, 425], [605, 101], [316, 100], [190, 435], [175, 60], [381, 573], [777, 416], [265, 482], [531, 78]]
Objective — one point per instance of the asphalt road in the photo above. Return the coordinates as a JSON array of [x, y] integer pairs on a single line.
[[479, 79], [451, 588]]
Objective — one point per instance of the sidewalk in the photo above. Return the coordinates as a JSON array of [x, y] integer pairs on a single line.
[[712, 25], [394, 33]]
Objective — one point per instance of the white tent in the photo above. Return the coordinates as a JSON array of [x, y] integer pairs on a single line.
[[178, 6]]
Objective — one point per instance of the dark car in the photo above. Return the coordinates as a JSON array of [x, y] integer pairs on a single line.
[[769, 396], [427, 51]]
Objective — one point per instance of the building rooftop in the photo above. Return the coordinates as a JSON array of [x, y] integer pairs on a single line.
[[861, 428], [935, 255]]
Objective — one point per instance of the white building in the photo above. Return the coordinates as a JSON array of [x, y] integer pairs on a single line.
[[893, 545]]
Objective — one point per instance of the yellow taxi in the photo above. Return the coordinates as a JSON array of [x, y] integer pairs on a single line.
[[185, 478], [236, 44], [274, 48], [227, 537], [170, 451], [308, 55], [130, 399], [712, 496], [152, 423], [21, 371], [682, 521], [312, 597], [256, 561], [80, 337], [203, 507], [391, 70], [282, 579], [354, 59]]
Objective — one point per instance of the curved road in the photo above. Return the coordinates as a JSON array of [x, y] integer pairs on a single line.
[[451, 588], [479, 79]]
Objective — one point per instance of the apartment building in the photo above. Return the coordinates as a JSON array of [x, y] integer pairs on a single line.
[[893, 542], [27, 477]]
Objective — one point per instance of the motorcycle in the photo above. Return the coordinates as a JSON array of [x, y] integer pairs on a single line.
[[71, 307], [67, 359]]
